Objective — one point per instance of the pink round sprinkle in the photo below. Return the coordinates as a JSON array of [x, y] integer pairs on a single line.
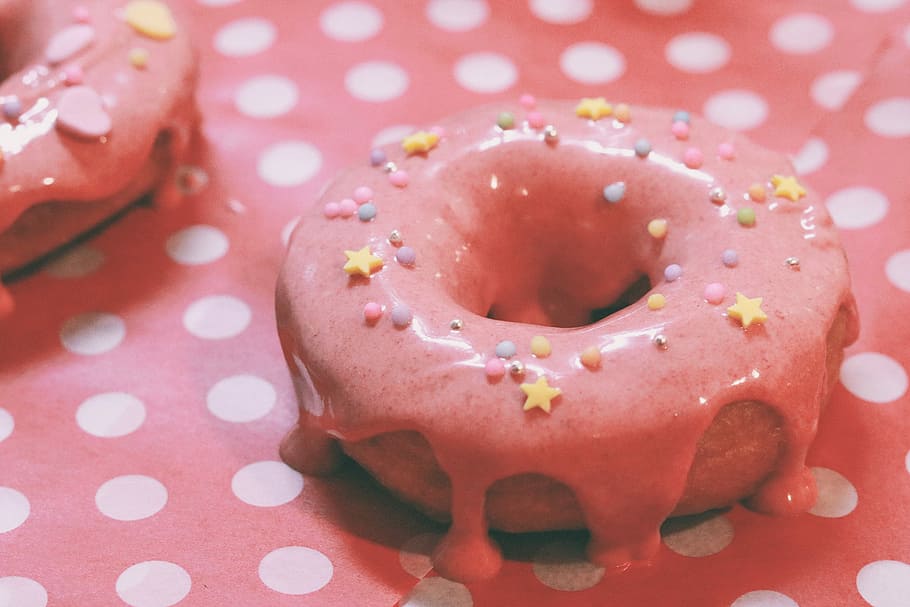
[[399, 178], [331, 210], [73, 75], [347, 207], [715, 293], [693, 158], [495, 368], [527, 101], [438, 131], [680, 130], [372, 311], [81, 14], [535, 120], [726, 151], [363, 194]]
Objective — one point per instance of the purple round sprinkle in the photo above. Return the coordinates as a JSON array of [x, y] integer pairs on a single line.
[[406, 256], [729, 257], [401, 315], [642, 147], [615, 192], [505, 349], [377, 157], [12, 108], [367, 211], [672, 272]]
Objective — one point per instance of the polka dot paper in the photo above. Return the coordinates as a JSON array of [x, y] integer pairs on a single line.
[[143, 393]]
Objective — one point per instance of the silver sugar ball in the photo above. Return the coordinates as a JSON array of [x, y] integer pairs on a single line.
[[718, 196], [457, 324], [390, 167], [516, 368], [661, 341], [550, 134], [395, 237], [793, 262]]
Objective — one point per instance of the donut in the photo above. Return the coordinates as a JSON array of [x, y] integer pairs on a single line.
[[566, 314], [96, 109]]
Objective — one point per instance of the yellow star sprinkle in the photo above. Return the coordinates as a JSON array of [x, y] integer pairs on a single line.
[[362, 262], [539, 394], [594, 108], [419, 142], [787, 187], [747, 310]]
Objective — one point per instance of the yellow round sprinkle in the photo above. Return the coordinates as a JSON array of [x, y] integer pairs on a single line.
[[657, 228], [540, 346], [757, 192], [622, 113], [139, 57], [590, 357], [656, 301]]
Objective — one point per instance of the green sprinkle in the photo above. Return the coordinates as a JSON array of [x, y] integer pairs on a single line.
[[746, 216], [505, 121]]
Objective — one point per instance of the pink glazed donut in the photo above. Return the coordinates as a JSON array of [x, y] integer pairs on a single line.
[[564, 315], [96, 109]]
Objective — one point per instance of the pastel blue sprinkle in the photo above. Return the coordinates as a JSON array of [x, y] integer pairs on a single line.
[[12, 108], [673, 272], [505, 349], [682, 116], [367, 211], [729, 257], [406, 256], [377, 157], [642, 147], [615, 192], [401, 315]]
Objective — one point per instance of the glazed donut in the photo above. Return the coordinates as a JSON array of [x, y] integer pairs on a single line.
[[558, 315], [96, 109]]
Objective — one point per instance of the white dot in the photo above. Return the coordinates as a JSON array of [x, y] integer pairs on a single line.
[[414, 555], [877, 6], [392, 134], [836, 495], [562, 11], [241, 398], [857, 207], [295, 570], [811, 157], [217, 317], [699, 536], [457, 15], [14, 509], [897, 268], [697, 52], [266, 96], [376, 81], [485, 72], [884, 583], [562, 565], [197, 245], [874, 377], [267, 484], [76, 263], [289, 163], [245, 37], [131, 497], [7, 423], [592, 63], [288, 230], [801, 33], [351, 21], [111, 414], [890, 118], [764, 598], [153, 584], [736, 109], [832, 89], [92, 333], [18, 591], [664, 7], [438, 592]]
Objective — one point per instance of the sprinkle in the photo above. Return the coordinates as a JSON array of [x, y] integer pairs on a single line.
[[12, 108], [377, 157], [395, 237], [717, 195], [539, 394], [68, 42], [680, 130], [420, 142], [372, 311], [81, 112], [399, 179], [747, 310], [367, 212], [401, 315], [139, 58], [494, 368], [715, 293], [362, 262], [792, 262], [505, 121], [406, 256], [673, 272], [527, 101], [535, 120], [622, 113], [456, 324], [657, 227], [726, 151], [656, 301], [81, 14], [729, 258], [787, 187], [550, 134], [540, 346], [615, 192], [682, 116], [73, 75], [693, 158], [347, 207], [642, 148], [363, 194], [746, 216], [594, 108], [516, 368], [757, 192], [390, 167], [151, 18], [506, 349], [331, 210], [660, 340]]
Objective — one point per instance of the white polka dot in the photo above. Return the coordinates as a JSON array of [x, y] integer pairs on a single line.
[[697, 52], [562, 11], [245, 37], [890, 118], [857, 207], [14, 509], [801, 33], [351, 21], [897, 268], [217, 317], [877, 6], [414, 555], [884, 583], [874, 377], [289, 163], [267, 484], [836, 495], [288, 230], [376, 81], [457, 15], [197, 245], [18, 591], [698, 536], [592, 63], [392, 134], [266, 96], [7, 424], [562, 565], [736, 109], [131, 497], [92, 333], [831, 90], [664, 7], [811, 157], [241, 398], [76, 263], [111, 414], [438, 592], [485, 72], [295, 570], [764, 598], [153, 584]]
